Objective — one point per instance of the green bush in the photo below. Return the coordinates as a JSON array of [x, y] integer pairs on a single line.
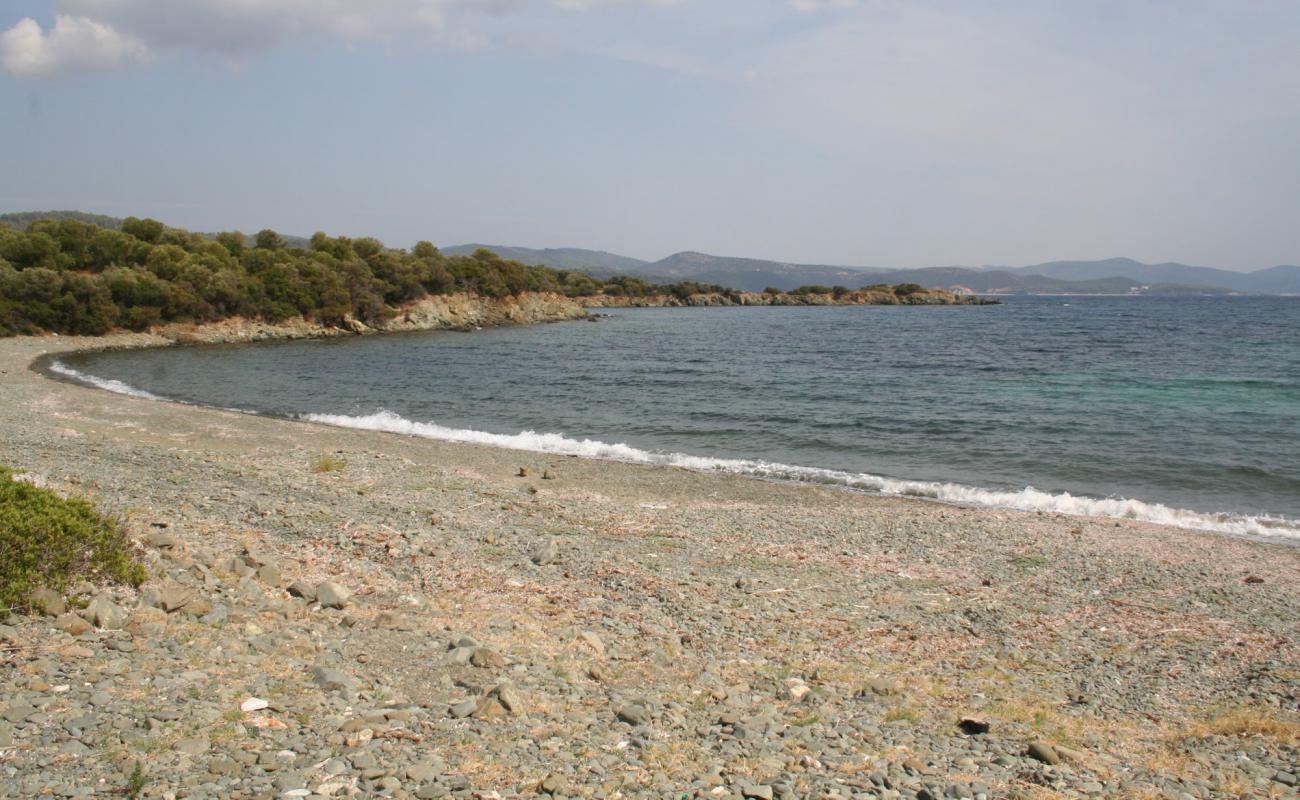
[[50, 541], [66, 275]]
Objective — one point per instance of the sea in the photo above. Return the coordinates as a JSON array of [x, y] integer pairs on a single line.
[[1183, 411]]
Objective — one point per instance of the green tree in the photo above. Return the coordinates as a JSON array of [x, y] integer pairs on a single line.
[[146, 230], [267, 239]]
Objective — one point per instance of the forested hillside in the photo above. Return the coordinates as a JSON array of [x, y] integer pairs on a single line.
[[70, 276]]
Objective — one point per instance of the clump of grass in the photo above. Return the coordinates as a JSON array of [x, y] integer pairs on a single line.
[[1251, 721], [136, 783], [325, 462], [50, 541], [903, 714]]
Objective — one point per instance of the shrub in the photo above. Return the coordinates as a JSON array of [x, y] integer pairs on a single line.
[[328, 463], [50, 541], [905, 289]]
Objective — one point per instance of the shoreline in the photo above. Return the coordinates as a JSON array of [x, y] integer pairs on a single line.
[[1254, 527], [749, 638]]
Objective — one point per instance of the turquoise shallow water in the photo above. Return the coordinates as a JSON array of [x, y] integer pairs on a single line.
[[1188, 403]]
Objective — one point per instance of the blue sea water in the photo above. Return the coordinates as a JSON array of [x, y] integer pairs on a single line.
[[1180, 410]]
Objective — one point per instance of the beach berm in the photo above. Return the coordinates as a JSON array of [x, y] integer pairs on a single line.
[[430, 620]]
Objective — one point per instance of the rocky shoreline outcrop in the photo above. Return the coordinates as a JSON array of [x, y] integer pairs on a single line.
[[430, 313]]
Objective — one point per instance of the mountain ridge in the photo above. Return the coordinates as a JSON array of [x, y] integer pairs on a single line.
[[1120, 275]]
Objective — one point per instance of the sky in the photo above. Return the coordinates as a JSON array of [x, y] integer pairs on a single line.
[[895, 133]]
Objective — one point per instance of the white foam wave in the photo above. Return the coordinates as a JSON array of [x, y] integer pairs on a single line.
[[107, 384], [1027, 499]]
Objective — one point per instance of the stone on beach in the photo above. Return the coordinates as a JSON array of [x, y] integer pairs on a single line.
[[332, 595]]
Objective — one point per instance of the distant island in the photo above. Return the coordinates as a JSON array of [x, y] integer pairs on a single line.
[[73, 273], [1109, 276]]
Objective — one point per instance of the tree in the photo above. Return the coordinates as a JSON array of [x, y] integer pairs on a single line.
[[233, 241], [267, 239], [146, 230]]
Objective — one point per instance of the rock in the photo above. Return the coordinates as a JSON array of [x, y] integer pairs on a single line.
[[756, 791], [269, 574], [423, 773], [486, 658], [197, 607], [160, 540], [253, 704], [104, 613], [880, 687], [170, 597], [593, 641], [394, 621], [553, 784], [303, 589], [1285, 778], [461, 655], [192, 747], [18, 711], [488, 708], [796, 690], [546, 553], [255, 557], [48, 601], [146, 621], [463, 709], [1044, 752], [333, 679], [634, 714], [72, 624], [511, 698], [524, 472], [973, 726], [331, 595], [1069, 756]]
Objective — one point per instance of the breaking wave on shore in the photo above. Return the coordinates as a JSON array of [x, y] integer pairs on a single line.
[[108, 384], [1027, 499]]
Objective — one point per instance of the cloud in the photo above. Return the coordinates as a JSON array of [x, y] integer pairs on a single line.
[[103, 34], [818, 5], [72, 43]]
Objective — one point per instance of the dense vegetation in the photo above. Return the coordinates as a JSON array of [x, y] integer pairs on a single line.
[[49, 541], [84, 274], [71, 276]]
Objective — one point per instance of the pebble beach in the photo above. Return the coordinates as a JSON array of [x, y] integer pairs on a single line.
[[344, 613]]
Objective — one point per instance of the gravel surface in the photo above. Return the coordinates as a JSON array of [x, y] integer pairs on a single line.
[[426, 621]]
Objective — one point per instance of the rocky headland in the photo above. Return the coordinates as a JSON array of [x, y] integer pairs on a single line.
[[430, 313], [340, 613]]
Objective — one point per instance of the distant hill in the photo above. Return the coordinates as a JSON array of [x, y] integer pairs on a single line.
[[755, 275], [1275, 280], [21, 219], [1108, 276], [597, 263], [1112, 276]]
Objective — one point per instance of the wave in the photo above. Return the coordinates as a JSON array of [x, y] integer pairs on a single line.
[[1027, 499], [108, 384]]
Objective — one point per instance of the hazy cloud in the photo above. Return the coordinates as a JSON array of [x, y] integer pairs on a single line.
[[71, 43], [104, 34], [818, 5]]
